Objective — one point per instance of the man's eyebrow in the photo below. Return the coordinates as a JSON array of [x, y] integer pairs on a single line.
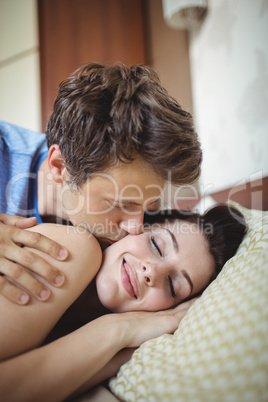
[[185, 274], [134, 203], [174, 241], [127, 202]]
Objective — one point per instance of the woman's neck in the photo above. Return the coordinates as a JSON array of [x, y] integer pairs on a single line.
[[85, 309]]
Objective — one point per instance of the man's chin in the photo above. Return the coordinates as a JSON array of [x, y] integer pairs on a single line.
[[105, 242]]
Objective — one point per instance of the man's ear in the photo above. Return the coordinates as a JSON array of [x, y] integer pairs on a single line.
[[56, 163]]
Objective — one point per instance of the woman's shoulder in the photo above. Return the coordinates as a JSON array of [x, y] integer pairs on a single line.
[[34, 321], [73, 233], [82, 246]]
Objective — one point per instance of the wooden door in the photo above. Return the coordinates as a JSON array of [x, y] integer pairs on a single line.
[[74, 32]]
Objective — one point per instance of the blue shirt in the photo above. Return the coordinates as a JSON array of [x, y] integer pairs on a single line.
[[21, 153]]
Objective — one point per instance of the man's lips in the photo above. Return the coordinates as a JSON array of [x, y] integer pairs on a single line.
[[106, 240], [129, 280]]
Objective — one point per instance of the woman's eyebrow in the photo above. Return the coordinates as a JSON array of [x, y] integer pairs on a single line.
[[173, 239], [185, 274]]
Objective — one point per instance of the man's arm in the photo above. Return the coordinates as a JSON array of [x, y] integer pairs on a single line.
[[13, 256]]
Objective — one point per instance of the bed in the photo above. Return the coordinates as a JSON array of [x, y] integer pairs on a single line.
[[220, 350]]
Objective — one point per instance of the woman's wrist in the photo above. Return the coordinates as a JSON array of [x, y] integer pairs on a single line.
[[119, 330]]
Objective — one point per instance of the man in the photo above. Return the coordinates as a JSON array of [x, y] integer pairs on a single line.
[[114, 138]]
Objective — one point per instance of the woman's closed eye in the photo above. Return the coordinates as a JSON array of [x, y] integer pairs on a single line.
[[170, 282], [155, 245], [172, 291]]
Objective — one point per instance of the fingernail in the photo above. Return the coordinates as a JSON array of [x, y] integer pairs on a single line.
[[59, 279], [62, 253], [44, 294], [24, 298]]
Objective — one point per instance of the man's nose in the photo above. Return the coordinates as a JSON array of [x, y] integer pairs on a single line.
[[133, 225]]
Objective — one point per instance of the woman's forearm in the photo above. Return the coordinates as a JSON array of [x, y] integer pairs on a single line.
[[56, 370], [108, 371]]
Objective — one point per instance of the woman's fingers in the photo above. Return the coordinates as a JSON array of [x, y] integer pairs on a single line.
[[152, 327], [142, 326], [184, 306]]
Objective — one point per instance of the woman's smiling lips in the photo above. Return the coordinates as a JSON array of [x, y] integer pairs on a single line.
[[129, 280]]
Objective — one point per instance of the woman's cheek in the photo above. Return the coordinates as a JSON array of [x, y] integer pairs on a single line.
[[157, 300]]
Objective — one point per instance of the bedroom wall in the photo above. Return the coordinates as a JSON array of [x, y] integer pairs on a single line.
[[229, 71], [229, 68], [19, 59], [168, 54], [19, 63]]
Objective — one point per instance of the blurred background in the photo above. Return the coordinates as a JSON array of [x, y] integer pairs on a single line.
[[211, 55]]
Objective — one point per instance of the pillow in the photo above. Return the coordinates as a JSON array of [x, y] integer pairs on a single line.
[[220, 350]]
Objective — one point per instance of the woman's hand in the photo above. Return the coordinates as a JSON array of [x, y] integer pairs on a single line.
[[13, 258], [138, 327]]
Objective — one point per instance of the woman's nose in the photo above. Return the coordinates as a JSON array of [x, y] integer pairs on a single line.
[[153, 273]]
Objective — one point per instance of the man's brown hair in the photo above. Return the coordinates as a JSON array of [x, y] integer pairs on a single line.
[[109, 114]]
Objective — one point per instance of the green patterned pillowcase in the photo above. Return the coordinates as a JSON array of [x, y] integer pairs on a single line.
[[220, 351]]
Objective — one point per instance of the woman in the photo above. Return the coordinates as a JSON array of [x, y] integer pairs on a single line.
[[169, 263]]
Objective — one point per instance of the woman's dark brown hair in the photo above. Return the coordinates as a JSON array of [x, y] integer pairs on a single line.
[[223, 226], [107, 114]]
